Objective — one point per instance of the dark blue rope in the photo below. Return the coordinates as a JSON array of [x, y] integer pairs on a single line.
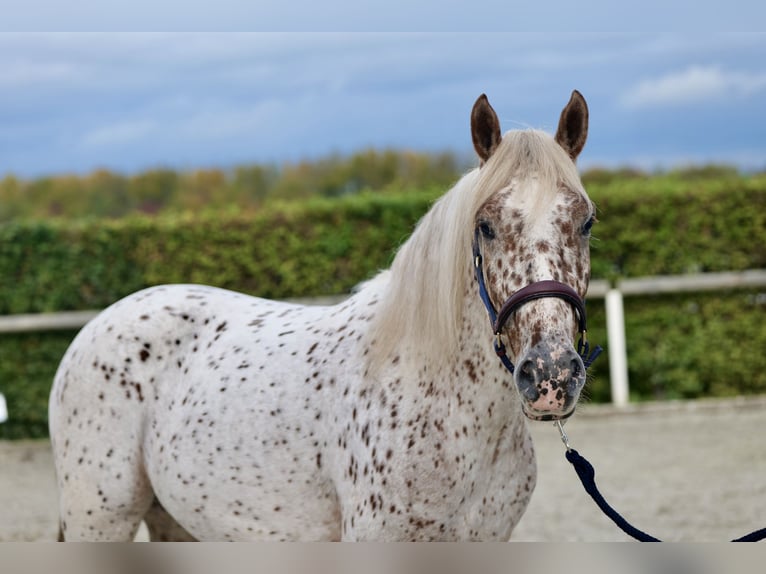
[[588, 478], [587, 356], [753, 536]]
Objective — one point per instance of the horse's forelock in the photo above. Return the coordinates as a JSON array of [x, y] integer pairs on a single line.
[[524, 155]]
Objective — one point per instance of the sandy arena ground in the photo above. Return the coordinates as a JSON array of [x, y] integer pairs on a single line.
[[682, 471]]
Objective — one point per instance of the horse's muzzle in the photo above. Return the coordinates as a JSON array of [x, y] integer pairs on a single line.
[[549, 379]]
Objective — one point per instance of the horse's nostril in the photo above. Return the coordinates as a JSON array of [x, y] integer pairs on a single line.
[[577, 378], [526, 379], [528, 368], [576, 368], [527, 371]]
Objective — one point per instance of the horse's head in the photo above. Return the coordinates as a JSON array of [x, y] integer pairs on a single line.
[[532, 232]]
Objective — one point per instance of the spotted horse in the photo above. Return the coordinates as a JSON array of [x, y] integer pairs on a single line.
[[214, 415]]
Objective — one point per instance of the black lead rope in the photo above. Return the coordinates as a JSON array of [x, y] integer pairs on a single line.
[[587, 475]]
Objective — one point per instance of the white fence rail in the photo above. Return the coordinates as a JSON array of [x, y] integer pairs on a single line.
[[613, 298], [661, 284]]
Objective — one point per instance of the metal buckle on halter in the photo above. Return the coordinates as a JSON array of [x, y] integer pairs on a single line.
[[502, 353], [500, 348], [582, 344]]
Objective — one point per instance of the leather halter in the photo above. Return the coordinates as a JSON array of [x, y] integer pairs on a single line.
[[537, 290]]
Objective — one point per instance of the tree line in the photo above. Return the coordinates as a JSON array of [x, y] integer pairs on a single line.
[[108, 194], [104, 193]]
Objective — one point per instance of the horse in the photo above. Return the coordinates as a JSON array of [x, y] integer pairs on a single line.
[[213, 415]]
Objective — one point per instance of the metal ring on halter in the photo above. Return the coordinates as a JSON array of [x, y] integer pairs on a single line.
[[564, 437]]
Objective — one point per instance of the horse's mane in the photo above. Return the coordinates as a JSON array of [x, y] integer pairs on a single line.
[[422, 307]]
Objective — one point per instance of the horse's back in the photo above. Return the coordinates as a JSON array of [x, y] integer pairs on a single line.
[[142, 332]]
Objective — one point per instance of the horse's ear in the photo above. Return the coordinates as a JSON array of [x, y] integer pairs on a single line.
[[485, 128], [573, 125]]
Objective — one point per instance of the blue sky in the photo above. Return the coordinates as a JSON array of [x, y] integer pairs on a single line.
[[127, 101]]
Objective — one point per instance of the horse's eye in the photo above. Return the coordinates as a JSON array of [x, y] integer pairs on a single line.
[[588, 225], [486, 230]]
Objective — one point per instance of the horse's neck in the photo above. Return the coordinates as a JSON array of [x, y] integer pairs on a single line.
[[472, 371]]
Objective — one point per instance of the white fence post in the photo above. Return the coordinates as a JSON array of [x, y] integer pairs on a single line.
[[618, 356], [3, 409]]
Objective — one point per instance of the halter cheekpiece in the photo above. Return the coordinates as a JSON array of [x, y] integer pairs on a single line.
[[537, 290]]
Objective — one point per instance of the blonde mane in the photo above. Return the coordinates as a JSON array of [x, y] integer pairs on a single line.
[[422, 307]]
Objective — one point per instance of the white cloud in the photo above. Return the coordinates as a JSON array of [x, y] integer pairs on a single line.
[[221, 124], [694, 84], [118, 134], [24, 74]]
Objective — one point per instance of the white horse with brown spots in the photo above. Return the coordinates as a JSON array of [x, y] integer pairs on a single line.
[[218, 416]]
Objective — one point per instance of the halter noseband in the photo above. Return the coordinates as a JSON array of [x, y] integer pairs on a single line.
[[533, 291]]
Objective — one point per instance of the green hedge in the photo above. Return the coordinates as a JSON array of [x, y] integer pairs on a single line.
[[682, 346], [686, 346], [318, 247], [665, 225]]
